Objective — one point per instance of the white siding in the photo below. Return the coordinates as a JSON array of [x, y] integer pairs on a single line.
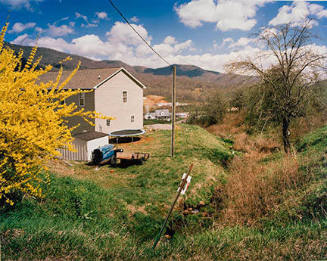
[[109, 101], [94, 144], [83, 148]]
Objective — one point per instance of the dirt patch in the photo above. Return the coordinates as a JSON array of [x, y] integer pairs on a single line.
[[150, 101], [134, 209], [61, 167], [159, 127]]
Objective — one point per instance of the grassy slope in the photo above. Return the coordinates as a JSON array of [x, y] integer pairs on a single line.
[[97, 214], [102, 213]]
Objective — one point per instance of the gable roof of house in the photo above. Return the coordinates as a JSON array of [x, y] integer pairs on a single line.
[[89, 78]]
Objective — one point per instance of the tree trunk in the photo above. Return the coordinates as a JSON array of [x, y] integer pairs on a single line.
[[286, 141]]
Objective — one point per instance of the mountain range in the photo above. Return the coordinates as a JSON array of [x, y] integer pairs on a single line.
[[192, 81]]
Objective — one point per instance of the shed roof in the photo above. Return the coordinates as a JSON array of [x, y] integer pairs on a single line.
[[90, 135], [89, 78]]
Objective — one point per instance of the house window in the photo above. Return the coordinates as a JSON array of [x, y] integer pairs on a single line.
[[124, 96], [132, 118], [82, 99], [108, 122]]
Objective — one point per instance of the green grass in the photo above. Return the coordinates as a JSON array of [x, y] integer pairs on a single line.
[[316, 140], [93, 214]]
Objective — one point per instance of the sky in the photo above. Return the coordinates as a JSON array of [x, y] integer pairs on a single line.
[[205, 33]]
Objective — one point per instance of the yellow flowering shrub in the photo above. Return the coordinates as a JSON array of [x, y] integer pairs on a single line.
[[32, 122]]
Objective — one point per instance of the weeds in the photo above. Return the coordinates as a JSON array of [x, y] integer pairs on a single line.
[[267, 207]]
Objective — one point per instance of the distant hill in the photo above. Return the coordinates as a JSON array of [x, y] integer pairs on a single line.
[[193, 82], [53, 57], [181, 70]]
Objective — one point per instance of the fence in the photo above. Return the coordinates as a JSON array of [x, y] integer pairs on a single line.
[[80, 154]]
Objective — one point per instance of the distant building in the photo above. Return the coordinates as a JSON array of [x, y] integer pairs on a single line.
[[169, 104], [150, 116], [182, 115], [162, 114]]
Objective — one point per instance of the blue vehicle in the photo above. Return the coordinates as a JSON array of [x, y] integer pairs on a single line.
[[105, 154]]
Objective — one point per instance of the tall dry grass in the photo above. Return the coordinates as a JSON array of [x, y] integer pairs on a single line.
[[232, 124], [255, 190], [261, 179]]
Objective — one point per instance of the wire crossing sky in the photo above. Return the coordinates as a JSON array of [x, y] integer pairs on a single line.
[[206, 33], [125, 19]]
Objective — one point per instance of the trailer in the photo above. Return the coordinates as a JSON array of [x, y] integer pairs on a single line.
[[109, 154], [132, 157]]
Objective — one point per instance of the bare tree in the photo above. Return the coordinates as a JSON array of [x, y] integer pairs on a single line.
[[289, 80]]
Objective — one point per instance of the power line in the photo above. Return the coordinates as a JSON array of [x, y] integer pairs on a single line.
[[120, 13]]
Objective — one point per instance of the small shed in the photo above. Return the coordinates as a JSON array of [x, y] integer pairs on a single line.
[[85, 143]]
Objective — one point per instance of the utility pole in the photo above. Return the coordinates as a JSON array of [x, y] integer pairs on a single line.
[[173, 116]]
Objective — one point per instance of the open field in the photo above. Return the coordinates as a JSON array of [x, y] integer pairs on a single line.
[[115, 213]]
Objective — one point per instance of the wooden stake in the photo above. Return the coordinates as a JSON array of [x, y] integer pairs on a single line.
[[181, 187], [173, 118]]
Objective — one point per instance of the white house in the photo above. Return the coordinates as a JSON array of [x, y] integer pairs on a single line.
[[113, 92], [150, 116], [163, 114]]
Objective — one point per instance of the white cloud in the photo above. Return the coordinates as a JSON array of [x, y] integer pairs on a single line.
[[39, 30], [19, 27], [84, 17], [299, 12], [23, 40], [60, 30], [18, 4], [228, 40], [122, 33], [135, 19], [86, 20], [227, 14], [123, 44], [90, 25], [169, 40], [101, 15], [171, 48], [243, 41]]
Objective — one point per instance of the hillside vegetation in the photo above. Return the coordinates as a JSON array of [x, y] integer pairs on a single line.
[[115, 213]]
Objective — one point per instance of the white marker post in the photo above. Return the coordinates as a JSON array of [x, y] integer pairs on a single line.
[[183, 186], [188, 181]]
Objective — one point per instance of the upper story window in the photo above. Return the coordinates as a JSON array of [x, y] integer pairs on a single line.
[[124, 96], [132, 118], [82, 99], [108, 122]]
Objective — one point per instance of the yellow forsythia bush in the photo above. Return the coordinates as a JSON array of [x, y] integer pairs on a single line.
[[32, 122]]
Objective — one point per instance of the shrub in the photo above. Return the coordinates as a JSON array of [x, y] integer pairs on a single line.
[[210, 112], [32, 122]]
